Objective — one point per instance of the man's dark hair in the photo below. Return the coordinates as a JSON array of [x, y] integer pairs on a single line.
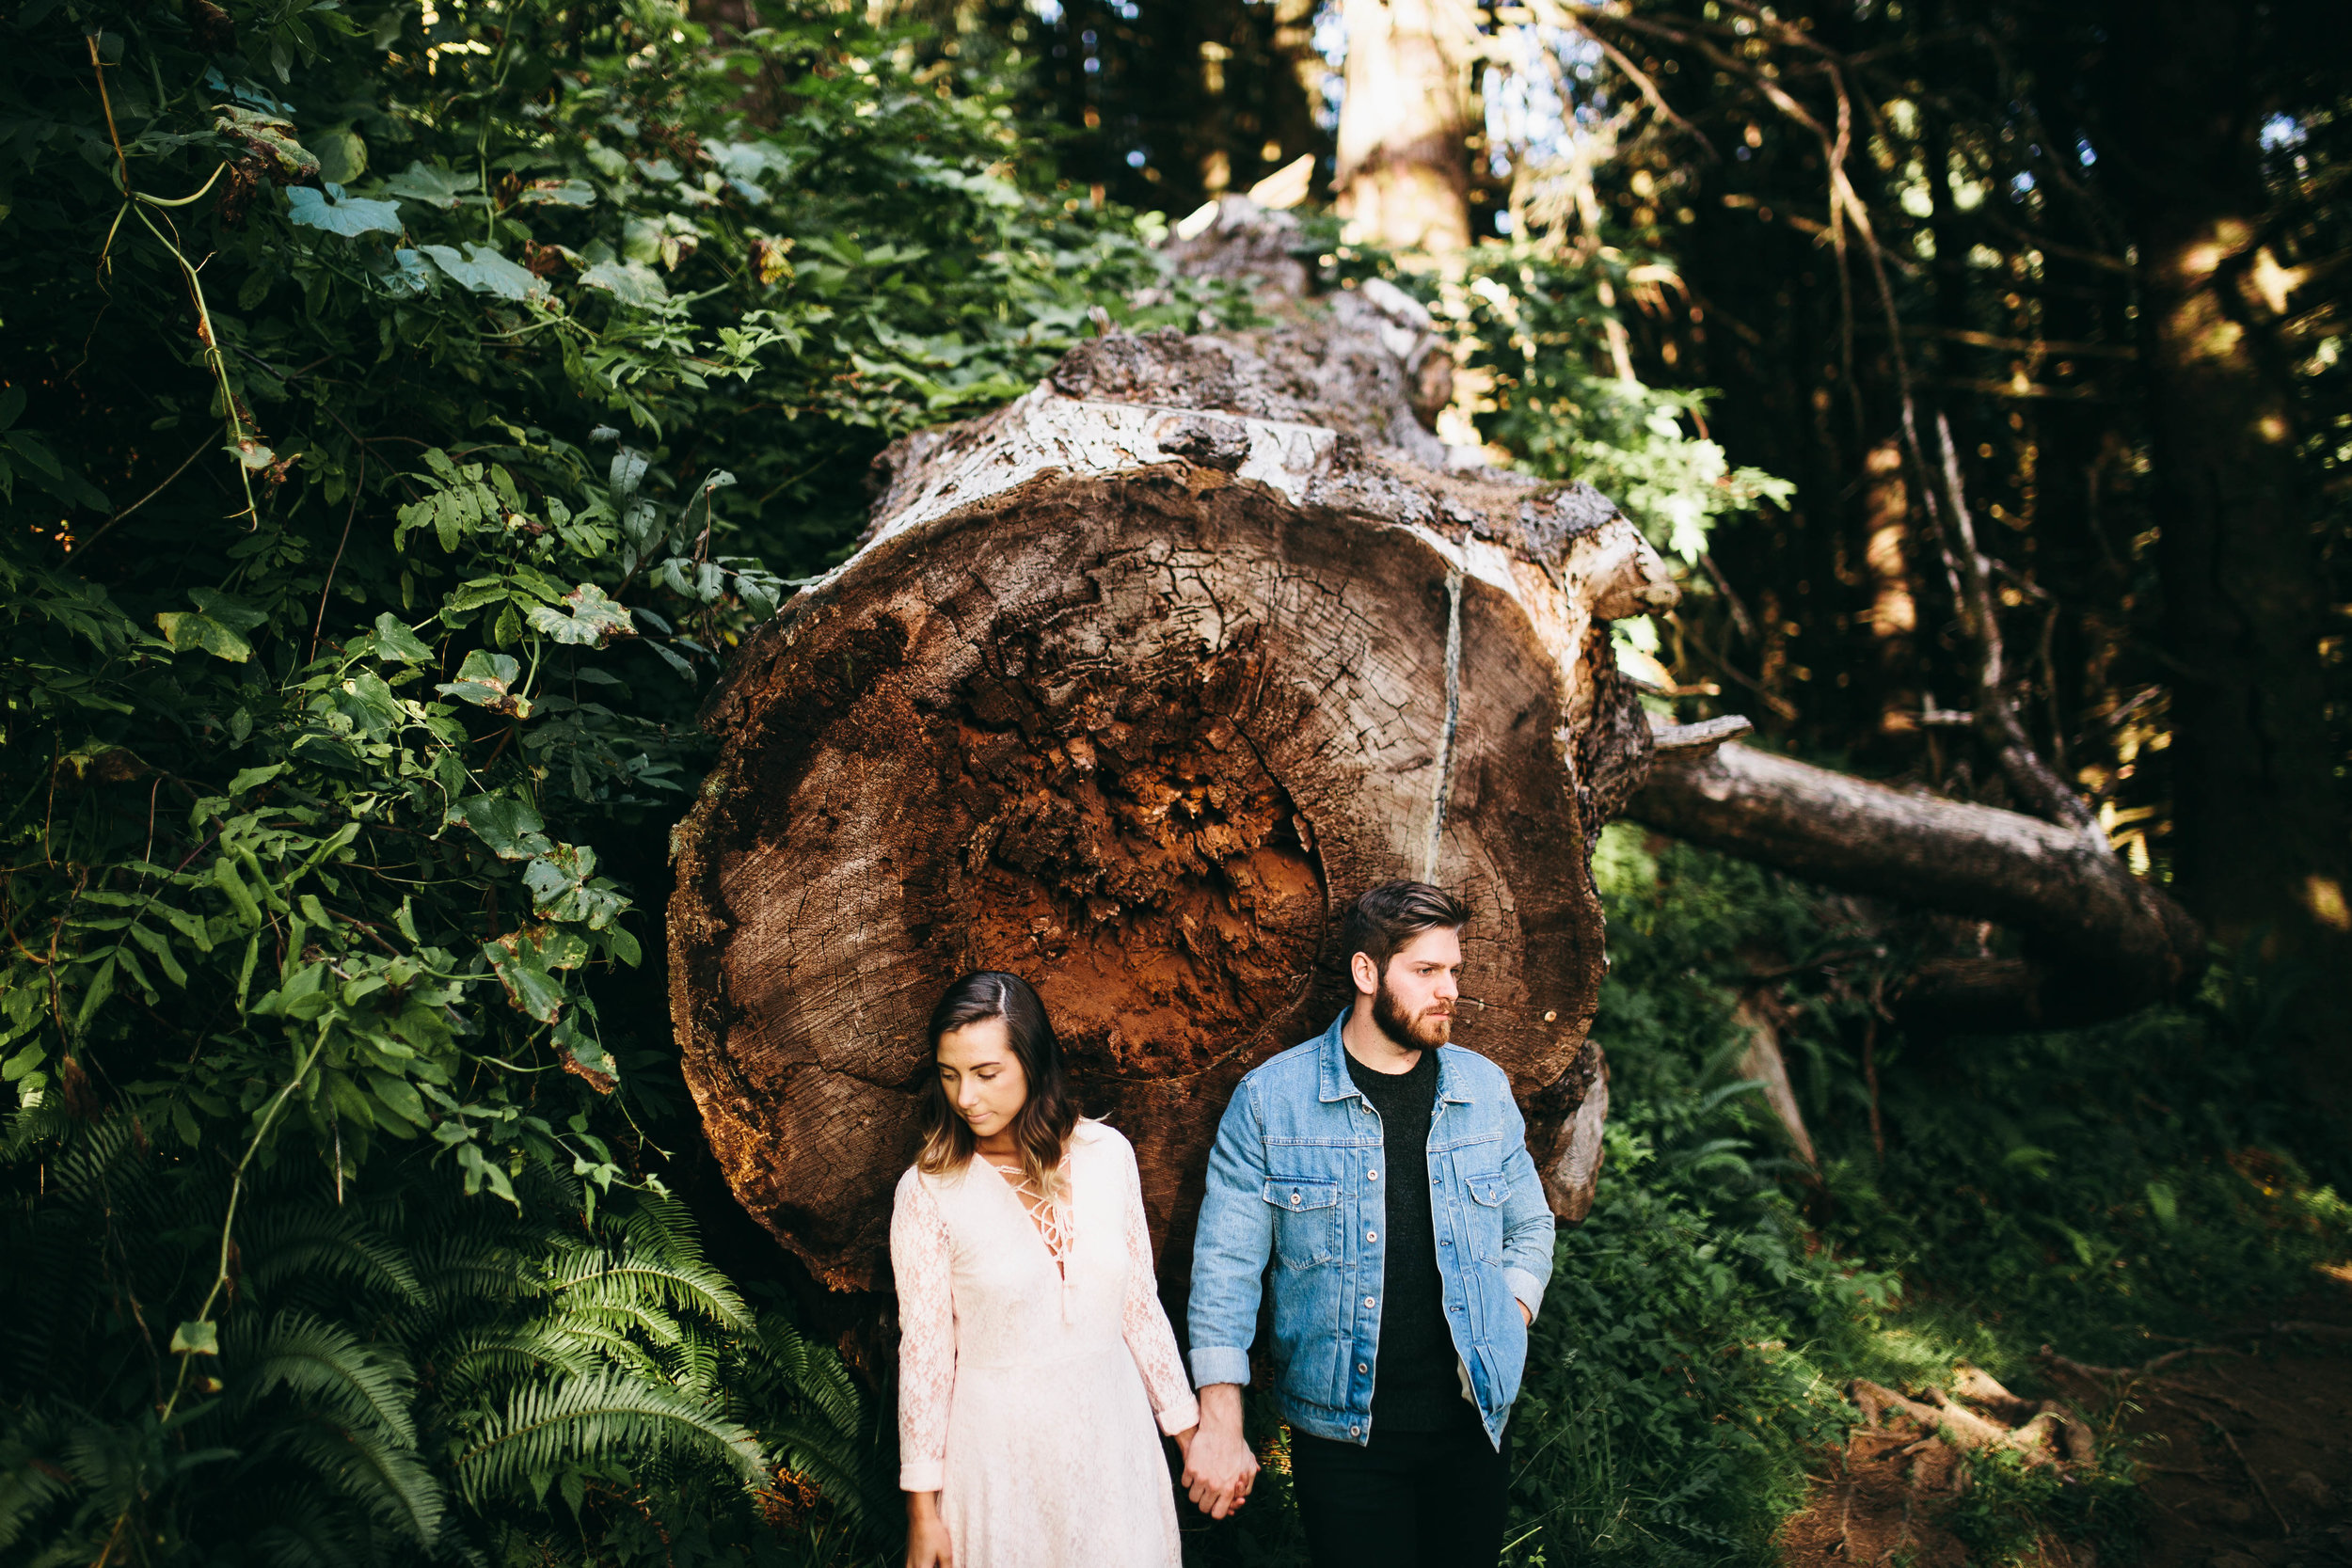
[[1392, 914]]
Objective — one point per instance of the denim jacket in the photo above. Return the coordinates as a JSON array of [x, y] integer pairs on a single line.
[[1296, 1181]]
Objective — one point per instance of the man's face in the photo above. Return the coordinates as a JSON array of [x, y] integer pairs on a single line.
[[1413, 1003]]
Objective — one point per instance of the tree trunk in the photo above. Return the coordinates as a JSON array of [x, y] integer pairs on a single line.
[[1407, 116], [2099, 942], [2260, 837], [1129, 685]]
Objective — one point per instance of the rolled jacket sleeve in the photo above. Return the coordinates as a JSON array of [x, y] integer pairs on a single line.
[[1230, 1247]]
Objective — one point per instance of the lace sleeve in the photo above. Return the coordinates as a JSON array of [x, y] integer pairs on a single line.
[[1144, 1321], [927, 1334]]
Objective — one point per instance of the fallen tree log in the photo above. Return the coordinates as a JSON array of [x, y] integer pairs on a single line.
[[1127, 686], [2099, 942], [1130, 682]]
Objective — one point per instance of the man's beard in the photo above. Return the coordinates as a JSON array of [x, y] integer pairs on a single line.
[[1425, 1033]]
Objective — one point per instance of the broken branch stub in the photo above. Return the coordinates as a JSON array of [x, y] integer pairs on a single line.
[[1128, 686]]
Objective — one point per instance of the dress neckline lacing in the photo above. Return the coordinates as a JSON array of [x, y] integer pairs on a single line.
[[1050, 1220]]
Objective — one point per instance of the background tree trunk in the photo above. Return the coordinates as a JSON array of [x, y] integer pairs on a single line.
[[1130, 684], [1409, 109], [2261, 842]]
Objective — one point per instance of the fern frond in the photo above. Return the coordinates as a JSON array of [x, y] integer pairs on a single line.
[[30, 1479], [847, 1469], [468, 1361], [608, 1418], [387, 1479], [813, 1373], [308, 1242], [695, 1365], [604, 1337], [681, 1285], [370, 1385], [619, 1306], [465, 1270]]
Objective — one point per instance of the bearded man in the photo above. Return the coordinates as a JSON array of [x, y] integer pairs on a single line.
[[1384, 1175]]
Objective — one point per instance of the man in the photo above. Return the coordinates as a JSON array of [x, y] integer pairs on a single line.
[[1385, 1176]]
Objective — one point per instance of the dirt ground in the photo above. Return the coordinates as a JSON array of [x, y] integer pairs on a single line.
[[2243, 1446]]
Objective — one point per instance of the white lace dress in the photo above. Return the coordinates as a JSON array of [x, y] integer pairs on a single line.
[[1027, 1388]]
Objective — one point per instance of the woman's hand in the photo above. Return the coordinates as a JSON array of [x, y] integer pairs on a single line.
[[1218, 1467], [927, 1545], [1184, 1441]]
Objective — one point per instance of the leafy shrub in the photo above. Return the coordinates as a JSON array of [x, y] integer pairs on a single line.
[[409, 1374], [2007, 1508]]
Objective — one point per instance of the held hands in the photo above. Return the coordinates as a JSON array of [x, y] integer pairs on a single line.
[[927, 1545], [1219, 1469]]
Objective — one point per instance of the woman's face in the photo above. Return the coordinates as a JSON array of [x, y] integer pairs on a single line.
[[981, 1076]]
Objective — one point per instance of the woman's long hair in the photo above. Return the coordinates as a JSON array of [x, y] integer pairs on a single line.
[[1042, 1126]]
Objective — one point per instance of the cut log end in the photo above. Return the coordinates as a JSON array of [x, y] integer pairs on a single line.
[[1130, 686]]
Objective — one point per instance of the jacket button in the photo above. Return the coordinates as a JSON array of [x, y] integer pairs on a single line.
[[1363, 1366], [1371, 1175], [1367, 1301], [1371, 1235], [1293, 1200], [1355, 1432]]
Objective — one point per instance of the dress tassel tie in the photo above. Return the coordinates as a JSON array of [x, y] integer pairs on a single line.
[[1053, 1225]]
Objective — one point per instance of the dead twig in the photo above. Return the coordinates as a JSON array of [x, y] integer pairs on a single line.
[[2255, 1476]]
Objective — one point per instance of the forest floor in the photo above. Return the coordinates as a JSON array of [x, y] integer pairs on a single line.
[[2242, 1445]]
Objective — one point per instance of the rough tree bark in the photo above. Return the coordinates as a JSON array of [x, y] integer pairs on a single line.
[[1128, 684]]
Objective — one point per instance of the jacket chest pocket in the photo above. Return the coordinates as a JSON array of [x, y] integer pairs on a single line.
[[1483, 1212], [1306, 1221]]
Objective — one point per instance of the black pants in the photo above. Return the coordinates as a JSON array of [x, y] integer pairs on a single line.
[[1406, 1499]]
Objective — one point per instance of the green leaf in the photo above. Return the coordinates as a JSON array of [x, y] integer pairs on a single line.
[[271, 136], [435, 187], [588, 619], [102, 986], [2164, 1204], [557, 193], [401, 1096], [629, 282], [161, 950], [253, 778], [197, 1336], [394, 641], [485, 680], [232, 884], [342, 155], [351, 216], [216, 626], [504, 822], [486, 272], [520, 968]]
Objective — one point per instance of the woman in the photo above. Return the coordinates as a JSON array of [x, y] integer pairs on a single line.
[[1033, 1354]]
